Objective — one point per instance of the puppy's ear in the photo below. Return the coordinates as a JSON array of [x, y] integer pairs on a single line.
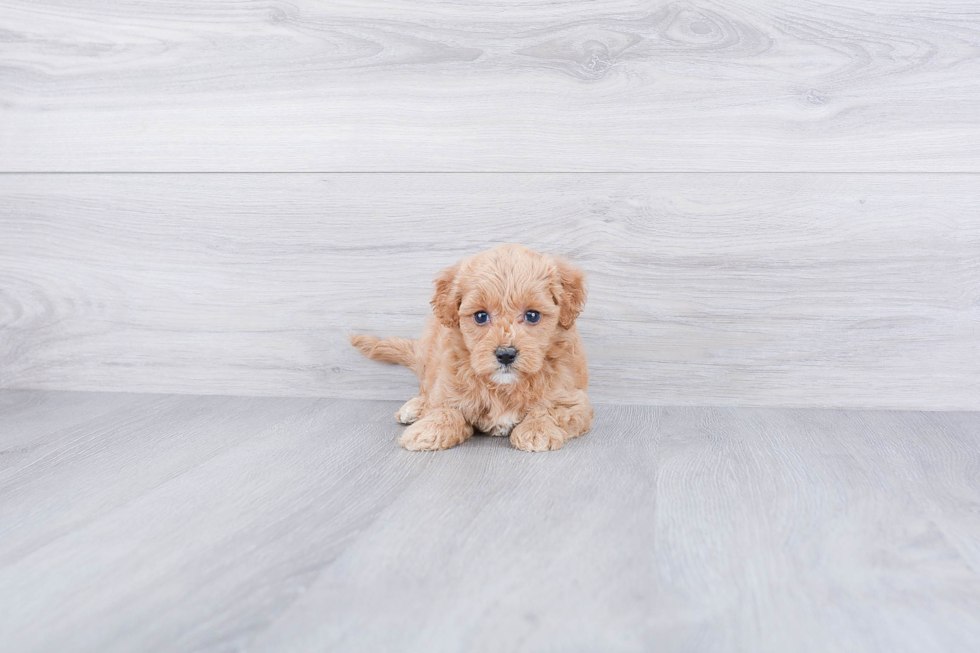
[[445, 302], [568, 289]]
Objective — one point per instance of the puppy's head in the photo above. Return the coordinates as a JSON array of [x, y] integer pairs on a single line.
[[510, 304]]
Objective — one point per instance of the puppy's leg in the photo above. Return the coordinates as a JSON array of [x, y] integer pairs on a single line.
[[439, 428], [411, 411], [575, 415], [547, 428], [539, 431]]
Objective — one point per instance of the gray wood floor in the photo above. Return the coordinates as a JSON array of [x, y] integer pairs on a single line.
[[180, 523]]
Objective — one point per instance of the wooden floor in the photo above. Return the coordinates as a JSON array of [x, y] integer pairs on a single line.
[[134, 522]]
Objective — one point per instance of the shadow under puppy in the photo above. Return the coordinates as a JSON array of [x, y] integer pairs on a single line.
[[500, 355]]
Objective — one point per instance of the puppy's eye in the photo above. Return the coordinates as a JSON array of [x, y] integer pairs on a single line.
[[481, 317], [532, 317]]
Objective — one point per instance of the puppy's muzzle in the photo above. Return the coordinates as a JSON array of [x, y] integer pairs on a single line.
[[506, 355]]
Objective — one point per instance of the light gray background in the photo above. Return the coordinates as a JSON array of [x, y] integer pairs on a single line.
[[800, 225], [778, 207]]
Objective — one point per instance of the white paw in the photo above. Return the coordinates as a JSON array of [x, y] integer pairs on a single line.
[[501, 430], [410, 412], [505, 424]]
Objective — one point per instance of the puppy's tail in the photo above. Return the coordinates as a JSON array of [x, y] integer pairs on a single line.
[[389, 350]]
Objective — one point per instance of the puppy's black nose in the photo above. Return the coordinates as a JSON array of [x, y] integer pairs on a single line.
[[506, 355]]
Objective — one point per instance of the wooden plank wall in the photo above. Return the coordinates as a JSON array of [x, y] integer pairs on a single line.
[[490, 85], [776, 203]]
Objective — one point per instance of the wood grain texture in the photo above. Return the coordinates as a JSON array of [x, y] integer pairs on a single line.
[[216, 511], [173, 524], [819, 290], [462, 86]]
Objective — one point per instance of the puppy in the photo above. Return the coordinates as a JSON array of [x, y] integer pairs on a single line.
[[500, 355]]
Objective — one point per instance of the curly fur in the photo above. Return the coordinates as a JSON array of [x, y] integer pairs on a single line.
[[539, 400]]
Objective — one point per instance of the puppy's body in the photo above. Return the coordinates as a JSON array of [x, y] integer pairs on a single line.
[[520, 373]]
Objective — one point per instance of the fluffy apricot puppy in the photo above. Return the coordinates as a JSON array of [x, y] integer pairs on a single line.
[[501, 354]]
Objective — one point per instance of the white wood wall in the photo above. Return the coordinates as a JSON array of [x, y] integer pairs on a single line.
[[776, 203]]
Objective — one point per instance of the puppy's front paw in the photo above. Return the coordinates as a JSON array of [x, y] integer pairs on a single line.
[[537, 435], [426, 435]]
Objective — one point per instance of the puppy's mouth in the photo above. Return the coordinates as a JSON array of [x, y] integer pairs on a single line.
[[504, 375]]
